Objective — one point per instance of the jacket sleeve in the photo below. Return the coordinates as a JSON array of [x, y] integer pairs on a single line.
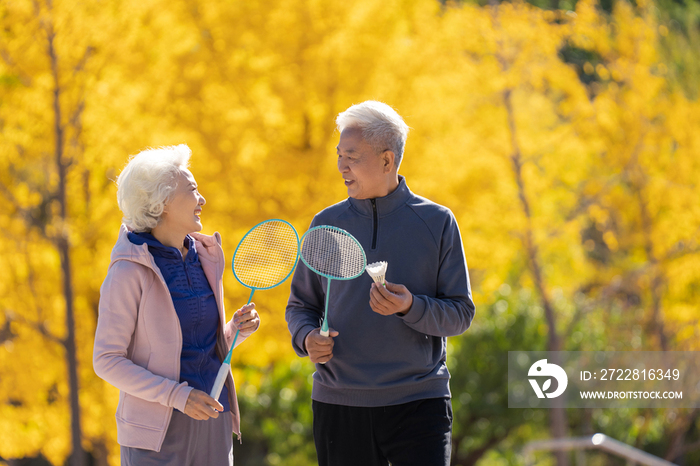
[[451, 312], [120, 296], [230, 334], [306, 305]]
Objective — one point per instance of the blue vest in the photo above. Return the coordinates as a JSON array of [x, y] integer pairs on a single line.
[[196, 308]]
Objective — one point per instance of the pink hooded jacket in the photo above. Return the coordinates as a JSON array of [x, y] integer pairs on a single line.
[[138, 340]]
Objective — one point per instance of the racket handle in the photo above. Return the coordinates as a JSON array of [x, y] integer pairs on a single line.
[[233, 345], [324, 327], [220, 380], [324, 333]]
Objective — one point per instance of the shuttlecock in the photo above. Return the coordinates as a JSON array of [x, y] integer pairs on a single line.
[[377, 271]]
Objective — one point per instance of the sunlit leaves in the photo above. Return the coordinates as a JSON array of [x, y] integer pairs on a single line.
[[609, 152]]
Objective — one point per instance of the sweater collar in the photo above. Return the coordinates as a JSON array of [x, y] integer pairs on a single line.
[[158, 249], [385, 205], [208, 249]]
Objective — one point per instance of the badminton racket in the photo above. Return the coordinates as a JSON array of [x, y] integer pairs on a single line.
[[332, 253], [264, 258]]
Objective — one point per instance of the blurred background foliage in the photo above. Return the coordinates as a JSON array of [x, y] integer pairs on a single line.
[[563, 134]]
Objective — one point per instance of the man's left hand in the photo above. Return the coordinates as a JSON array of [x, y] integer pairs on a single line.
[[394, 299]]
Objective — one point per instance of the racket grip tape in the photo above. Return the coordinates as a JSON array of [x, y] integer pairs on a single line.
[[324, 333], [220, 380]]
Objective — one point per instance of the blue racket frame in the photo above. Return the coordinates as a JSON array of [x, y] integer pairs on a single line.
[[252, 288], [225, 368]]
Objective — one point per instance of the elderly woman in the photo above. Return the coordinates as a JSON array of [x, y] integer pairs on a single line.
[[161, 333]]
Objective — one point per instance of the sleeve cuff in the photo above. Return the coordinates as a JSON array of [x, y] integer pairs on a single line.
[[300, 337], [183, 393], [415, 312]]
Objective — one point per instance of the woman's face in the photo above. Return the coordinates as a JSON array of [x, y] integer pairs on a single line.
[[181, 213]]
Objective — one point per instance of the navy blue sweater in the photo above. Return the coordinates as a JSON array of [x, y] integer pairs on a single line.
[[196, 308], [387, 360]]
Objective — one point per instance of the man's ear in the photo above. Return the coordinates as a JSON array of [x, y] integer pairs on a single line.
[[388, 159]]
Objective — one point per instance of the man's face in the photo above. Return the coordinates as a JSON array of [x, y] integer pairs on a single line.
[[363, 170]]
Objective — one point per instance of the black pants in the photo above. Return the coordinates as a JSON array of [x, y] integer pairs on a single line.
[[417, 433]]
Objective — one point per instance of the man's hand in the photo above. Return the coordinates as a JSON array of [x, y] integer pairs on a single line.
[[246, 319], [320, 348], [201, 406], [394, 299]]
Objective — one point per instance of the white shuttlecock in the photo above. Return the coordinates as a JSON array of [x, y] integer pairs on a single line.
[[377, 270]]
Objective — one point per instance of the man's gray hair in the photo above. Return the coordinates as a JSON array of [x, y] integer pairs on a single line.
[[381, 126], [147, 182]]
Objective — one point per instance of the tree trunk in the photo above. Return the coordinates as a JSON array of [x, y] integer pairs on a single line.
[[62, 243], [557, 415]]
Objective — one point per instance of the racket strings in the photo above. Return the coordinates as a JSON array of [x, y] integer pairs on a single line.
[[333, 253], [266, 256]]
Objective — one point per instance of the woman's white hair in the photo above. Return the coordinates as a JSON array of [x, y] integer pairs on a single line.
[[381, 126], [146, 183]]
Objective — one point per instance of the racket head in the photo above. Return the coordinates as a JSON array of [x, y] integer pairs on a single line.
[[267, 255], [332, 253]]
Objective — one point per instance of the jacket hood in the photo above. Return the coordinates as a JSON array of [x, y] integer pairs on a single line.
[[126, 250]]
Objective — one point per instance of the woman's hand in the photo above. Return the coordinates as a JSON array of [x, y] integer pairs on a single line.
[[246, 319], [201, 406]]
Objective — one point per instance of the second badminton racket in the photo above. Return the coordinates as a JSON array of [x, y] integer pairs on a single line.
[[332, 253]]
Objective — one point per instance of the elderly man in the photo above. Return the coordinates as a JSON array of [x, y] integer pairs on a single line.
[[381, 387]]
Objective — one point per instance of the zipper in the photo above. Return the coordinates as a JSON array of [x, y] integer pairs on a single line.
[[374, 223]]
